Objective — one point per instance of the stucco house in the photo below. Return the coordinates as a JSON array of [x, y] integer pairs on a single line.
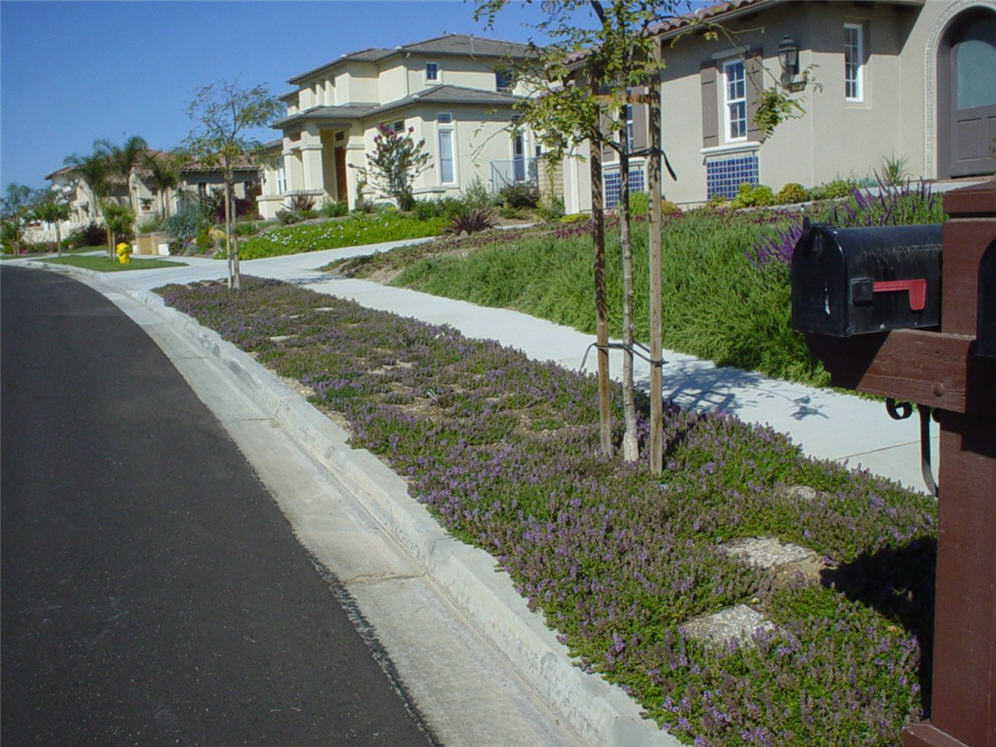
[[195, 181], [910, 79], [455, 92]]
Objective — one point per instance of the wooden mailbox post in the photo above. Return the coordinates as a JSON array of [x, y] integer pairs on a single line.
[[945, 371]]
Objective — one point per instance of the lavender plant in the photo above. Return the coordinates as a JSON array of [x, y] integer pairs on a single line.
[[503, 450]]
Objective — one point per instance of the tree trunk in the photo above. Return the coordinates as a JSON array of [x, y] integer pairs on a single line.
[[234, 242], [656, 281], [601, 307], [228, 234], [631, 446]]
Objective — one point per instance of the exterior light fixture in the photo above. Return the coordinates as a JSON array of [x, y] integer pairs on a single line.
[[788, 57]]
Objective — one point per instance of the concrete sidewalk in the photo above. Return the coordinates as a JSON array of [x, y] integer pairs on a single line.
[[826, 424]]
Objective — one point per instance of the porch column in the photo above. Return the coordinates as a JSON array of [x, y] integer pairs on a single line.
[[313, 167]]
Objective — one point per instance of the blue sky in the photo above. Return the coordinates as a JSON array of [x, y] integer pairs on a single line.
[[74, 72]]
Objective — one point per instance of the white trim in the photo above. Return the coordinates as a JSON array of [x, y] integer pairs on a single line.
[[859, 72], [726, 101], [750, 146], [440, 129]]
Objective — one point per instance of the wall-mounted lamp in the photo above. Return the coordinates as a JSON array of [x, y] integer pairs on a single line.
[[788, 56]]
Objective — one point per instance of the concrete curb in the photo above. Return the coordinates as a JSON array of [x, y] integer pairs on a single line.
[[599, 713]]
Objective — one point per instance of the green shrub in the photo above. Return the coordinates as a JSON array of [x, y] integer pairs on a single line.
[[476, 195], [509, 212], [791, 193], [833, 189], [150, 225], [246, 228], [550, 210], [520, 195], [308, 214], [89, 235], [185, 223], [203, 240], [287, 217], [716, 202], [753, 196], [335, 209], [669, 208]]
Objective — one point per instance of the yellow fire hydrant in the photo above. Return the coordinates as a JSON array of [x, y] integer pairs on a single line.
[[123, 252]]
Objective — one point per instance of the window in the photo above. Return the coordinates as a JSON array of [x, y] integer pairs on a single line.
[[446, 157], [431, 71], [628, 117], [504, 80], [735, 100], [853, 53], [281, 177], [447, 167], [398, 126]]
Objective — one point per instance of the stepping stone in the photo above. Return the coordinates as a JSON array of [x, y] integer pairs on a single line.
[[784, 560], [735, 625], [799, 493], [282, 338]]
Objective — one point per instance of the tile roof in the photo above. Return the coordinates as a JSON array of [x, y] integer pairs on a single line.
[[442, 94], [447, 44], [346, 112]]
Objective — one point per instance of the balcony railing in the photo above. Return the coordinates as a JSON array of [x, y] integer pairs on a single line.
[[514, 171]]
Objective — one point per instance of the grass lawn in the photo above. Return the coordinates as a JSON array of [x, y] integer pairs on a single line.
[[353, 230], [503, 451], [106, 264], [725, 276]]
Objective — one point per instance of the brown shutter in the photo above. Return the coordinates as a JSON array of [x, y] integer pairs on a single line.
[[754, 77], [640, 121], [710, 105]]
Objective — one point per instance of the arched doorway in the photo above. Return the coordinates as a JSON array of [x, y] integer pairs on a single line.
[[966, 72]]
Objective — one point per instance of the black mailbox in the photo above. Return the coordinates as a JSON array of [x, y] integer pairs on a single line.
[[985, 339], [852, 281]]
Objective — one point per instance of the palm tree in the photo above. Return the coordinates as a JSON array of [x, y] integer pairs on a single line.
[[164, 174], [93, 171], [51, 210], [123, 160]]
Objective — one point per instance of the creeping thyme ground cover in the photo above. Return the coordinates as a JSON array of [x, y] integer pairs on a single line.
[[353, 230], [503, 451]]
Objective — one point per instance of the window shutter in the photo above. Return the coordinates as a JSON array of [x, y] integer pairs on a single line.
[[710, 105], [640, 122], [754, 73]]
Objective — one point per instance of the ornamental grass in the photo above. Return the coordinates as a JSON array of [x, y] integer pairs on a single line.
[[503, 451]]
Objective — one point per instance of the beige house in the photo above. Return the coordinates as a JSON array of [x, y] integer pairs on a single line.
[[912, 79], [195, 181], [455, 92]]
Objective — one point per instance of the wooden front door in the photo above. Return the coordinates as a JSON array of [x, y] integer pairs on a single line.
[[340, 174], [972, 104]]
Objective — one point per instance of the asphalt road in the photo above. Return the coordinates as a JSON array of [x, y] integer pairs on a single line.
[[152, 592]]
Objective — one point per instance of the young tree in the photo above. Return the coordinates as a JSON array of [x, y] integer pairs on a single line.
[[15, 207], [50, 209], [582, 82], [394, 164], [225, 114]]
